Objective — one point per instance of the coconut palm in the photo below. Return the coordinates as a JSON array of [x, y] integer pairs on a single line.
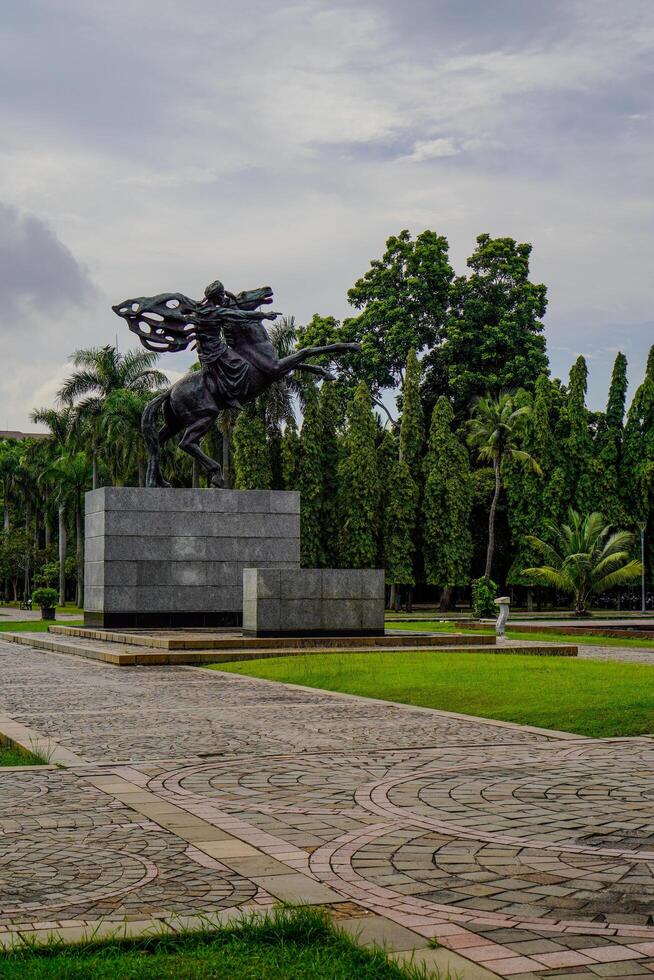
[[121, 426], [70, 475], [496, 430], [101, 371], [60, 424], [586, 556], [9, 466]]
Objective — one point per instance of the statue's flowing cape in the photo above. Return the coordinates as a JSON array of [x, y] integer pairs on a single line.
[[163, 323]]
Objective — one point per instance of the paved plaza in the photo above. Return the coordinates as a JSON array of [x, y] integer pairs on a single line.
[[185, 792]]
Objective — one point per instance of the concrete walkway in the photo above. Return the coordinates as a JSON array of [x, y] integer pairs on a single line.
[[524, 853]]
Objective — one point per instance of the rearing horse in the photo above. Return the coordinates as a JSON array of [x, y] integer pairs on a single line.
[[171, 321]]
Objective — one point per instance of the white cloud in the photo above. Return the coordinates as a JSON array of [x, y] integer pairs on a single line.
[[433, 149], [278, 143]]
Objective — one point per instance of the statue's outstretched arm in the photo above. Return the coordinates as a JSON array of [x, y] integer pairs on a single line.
[[211, 313]]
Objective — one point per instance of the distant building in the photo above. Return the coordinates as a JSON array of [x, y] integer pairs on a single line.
[[14, 434]]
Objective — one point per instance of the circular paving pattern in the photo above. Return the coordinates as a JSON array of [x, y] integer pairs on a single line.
[[110, 872], [319, 783], [526, 882], [566, 800], [35, 875]]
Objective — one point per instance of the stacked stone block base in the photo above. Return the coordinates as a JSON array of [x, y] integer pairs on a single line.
[[313, 602], [162, 558]]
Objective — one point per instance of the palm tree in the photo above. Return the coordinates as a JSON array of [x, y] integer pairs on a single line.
[[121, 426], [496, 430], [586, 557], [9, 466], [60, 425], [101, 371], [71, 476]]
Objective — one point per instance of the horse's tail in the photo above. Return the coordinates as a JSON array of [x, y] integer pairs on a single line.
[[150, 431]]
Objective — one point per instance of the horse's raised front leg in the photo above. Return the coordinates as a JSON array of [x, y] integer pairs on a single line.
[[293, 360], [190, 443]]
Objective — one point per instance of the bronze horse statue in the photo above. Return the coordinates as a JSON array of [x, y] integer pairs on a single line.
[[237, 358]]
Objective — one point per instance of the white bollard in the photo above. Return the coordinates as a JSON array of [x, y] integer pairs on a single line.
[[500, 626]]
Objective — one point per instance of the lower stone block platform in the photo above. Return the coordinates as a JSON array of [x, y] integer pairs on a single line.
[[313, 602]]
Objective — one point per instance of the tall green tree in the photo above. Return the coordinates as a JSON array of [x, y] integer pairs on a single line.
[[61, 425], [608, 448], [252, 468], [311, 484], [496, 431], [446, 506], [9, 466], [290, 452], [329, 419], [637, 464], [403, 300], [412, 426], [532, 497], [71, 475], [493, 335], [578, 447], [399, 501], [358, 485]]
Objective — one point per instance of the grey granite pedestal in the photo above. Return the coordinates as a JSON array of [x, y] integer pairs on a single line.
[[313, 602], [159, 558]]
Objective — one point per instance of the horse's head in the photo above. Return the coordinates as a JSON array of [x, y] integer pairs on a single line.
[[251, 299]]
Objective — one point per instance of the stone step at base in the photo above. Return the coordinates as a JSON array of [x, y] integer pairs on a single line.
[[121, 656], [231, 639]]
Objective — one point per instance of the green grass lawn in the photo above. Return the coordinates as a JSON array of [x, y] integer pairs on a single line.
[[299, 946], [583, 696], [544, 636], [34, 625], [10, 756]]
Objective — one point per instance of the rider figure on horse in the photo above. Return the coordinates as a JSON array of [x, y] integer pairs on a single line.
[[225, 371]]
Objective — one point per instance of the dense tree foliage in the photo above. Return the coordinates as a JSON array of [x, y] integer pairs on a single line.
[[358, 485], [493, 335], [470, 500], [447, 503]]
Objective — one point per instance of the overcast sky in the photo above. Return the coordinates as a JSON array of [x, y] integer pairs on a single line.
[[154, 145]]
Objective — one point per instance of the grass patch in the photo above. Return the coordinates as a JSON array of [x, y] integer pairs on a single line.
[[546, 636], [294, 945], [34, 625], [11, 756], [586, 697]]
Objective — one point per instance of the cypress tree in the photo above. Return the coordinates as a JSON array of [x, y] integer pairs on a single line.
[[609, 447], [290, 452], [578, 445], [447, 543], [412, 438], [412, 427], [533, 498], [358, 485], [398, 505], [329, 414], [637, 469], [310, 484], [252, 468]]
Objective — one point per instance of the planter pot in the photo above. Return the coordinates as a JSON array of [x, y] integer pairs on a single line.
[[48, 612]]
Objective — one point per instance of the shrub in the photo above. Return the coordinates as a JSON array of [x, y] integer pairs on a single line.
[[45, 598], [483, 597]]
